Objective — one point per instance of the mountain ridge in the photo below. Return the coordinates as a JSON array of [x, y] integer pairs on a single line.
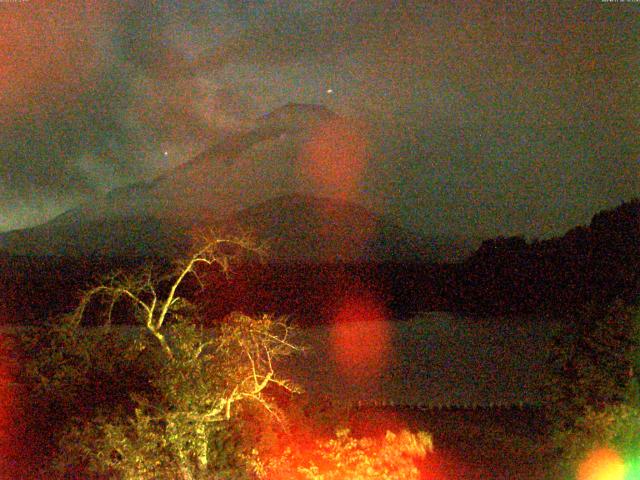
[[248, 179], [296, 227]]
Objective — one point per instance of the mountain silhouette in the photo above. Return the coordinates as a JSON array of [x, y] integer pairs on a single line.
[[293, 180]]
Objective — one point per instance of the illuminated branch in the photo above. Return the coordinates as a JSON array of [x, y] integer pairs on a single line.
[[142, 294]]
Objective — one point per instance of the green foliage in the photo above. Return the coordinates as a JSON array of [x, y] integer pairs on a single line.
[[184, 425], [593, 362], [616, 427], [72, 372], [603, 407]]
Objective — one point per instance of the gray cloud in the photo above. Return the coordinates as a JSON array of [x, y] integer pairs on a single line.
[[529, 111], [67, 137]]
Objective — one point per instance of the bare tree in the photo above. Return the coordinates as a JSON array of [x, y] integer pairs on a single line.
[[141, 289]]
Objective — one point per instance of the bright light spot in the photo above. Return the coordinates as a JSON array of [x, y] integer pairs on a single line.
[[602, 464], [334, 158], [329, 91], [166, 154], [632, 469], [361, 338]]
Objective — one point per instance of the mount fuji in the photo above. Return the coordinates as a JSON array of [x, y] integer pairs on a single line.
[[293, 180]]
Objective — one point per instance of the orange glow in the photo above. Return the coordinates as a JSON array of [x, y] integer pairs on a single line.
[[333, 162], [602, 464], [334, 159], [361, 338], [52, 48]]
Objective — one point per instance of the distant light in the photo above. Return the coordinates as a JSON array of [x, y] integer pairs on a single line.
[[166, 154], [330, 91]]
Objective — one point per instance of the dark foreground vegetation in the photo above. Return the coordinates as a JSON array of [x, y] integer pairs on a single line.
[[477, 444], [470, 444], [175, 403]]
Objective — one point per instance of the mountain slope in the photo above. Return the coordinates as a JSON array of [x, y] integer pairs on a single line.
[[116, 236], [294, 227], [293, 180], [302, 227], [243, 169]]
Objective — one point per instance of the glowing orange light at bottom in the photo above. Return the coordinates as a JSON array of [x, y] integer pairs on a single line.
[[602, 464]]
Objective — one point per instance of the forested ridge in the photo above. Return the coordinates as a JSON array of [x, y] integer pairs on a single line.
[[504, 276]]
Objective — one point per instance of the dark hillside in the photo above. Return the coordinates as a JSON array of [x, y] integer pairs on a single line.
[[505, 276], [598, 263], [37, 288]]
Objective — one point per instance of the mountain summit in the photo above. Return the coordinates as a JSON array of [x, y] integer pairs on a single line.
[[274, 158], [300, 168]]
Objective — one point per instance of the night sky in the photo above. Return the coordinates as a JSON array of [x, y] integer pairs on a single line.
[[484, 118]]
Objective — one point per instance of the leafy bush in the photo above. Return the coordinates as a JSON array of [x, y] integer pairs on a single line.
[[593, 357], [394, 456], [616, 427], [600, 393]]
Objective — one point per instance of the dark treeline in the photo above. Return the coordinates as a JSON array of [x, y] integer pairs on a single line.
[[593, 264], [36, 289], [505, 276]]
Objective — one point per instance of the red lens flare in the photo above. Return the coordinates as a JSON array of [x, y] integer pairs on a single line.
[[361, 338], [602, 464], [334, 159]]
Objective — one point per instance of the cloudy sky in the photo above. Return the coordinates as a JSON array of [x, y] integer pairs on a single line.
[[485, 118]]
